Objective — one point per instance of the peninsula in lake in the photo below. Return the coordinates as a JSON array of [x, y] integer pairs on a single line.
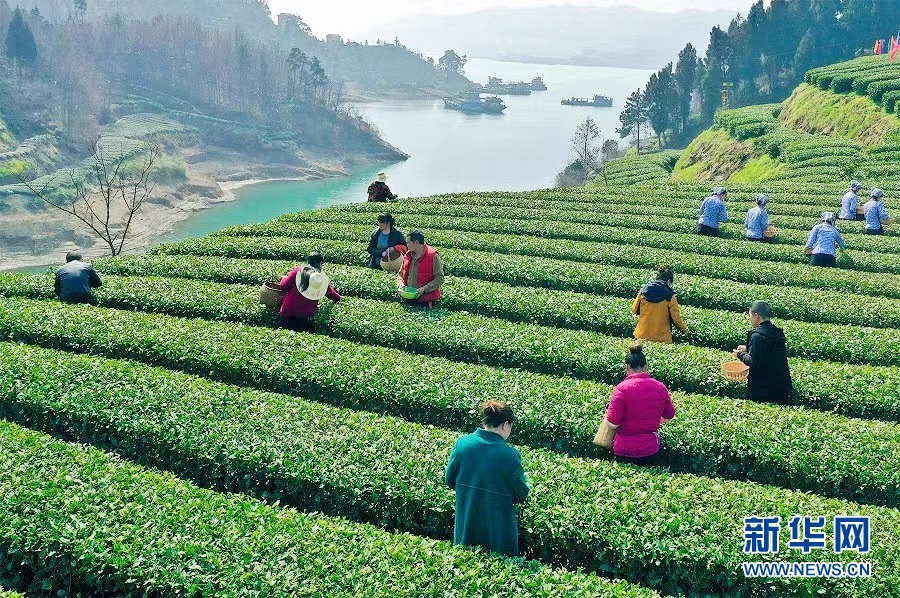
[[224, 90], [585, 36]]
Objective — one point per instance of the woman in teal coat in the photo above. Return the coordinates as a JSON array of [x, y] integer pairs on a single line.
[[488, 478]]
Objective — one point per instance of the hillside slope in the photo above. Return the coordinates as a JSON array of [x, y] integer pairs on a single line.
[[227, 456], [839, 124]]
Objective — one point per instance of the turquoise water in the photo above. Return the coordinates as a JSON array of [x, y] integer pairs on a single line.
[[265, 201], [522, 149]]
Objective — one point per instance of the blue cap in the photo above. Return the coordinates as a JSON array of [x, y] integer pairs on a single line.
[[876, 193], [855, 185]]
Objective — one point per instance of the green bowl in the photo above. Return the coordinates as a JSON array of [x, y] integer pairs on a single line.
[[409, 293]]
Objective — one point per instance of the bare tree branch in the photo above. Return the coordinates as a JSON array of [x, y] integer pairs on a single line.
[[117, 190]]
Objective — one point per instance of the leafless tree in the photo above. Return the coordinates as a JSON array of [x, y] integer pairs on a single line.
[[584, 142], [109, 197]]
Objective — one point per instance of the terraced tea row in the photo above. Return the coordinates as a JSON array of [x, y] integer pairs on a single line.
[[809, 305], [583, 242], [560, 309], [710, 436], [79, 520], [582, 513], [466, 337], [625, 211]]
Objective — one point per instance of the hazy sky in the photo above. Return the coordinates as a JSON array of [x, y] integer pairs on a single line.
[[351, 18]]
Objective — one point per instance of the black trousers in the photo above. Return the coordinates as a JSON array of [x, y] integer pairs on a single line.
[[85, 300], [874, 231], [647, 461], [299, 324], [822, 259], [707, 231]]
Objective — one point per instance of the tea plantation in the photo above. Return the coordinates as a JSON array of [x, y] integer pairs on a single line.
[[173, 441]]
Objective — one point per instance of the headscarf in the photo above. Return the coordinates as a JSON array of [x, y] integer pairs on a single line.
[[720, 191], [828, 217], [876, 193], [855, 185], [762, 200]]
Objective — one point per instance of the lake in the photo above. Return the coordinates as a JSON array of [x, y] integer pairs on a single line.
[[524, 148]]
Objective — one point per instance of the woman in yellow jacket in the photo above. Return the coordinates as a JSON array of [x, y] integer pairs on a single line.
[[657, 309]]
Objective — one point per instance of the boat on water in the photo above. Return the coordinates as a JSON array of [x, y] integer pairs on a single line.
[[537, 84], [497, 86], [473, 103], [598, 101]]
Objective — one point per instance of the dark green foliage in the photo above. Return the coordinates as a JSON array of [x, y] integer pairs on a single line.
[[765, 55], [20, 44], [560, 309]]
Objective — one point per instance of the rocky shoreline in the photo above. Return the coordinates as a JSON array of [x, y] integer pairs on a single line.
[[207, 183]]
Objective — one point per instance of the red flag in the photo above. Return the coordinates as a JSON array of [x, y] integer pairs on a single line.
[[895, 48]]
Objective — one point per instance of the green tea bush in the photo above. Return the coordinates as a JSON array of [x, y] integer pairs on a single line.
[[581, 242], [74, 519], [714, 290], [875, 390], [559, 309]]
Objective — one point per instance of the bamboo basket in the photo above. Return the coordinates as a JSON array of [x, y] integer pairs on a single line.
[[736, 371], [271, 295]]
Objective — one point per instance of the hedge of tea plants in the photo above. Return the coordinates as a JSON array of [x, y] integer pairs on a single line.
[[301, 463], [75, 519]]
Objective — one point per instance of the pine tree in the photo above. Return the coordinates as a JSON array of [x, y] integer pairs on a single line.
[[81, 8], [633, 117], [661, 102], [686, 79], [20, 44]]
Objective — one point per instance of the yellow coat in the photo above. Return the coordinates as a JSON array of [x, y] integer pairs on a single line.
[[655, 319]]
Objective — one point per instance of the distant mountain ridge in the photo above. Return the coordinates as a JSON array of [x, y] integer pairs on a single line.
[[560, 34]]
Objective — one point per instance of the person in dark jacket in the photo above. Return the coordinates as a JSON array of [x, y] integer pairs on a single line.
[[385, 238], [379, 191], [76, 281], [488, 478], [766, 354], [303, 288]]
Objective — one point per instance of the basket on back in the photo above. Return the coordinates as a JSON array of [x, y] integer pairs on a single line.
[[271, 295]]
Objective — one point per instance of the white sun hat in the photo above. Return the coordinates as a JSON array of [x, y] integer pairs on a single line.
[[382, 176], [318, 285]]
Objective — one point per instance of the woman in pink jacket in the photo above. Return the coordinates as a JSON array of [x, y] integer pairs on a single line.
[[303, 287], [638, 407]]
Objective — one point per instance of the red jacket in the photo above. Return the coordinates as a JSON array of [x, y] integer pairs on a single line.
[[425, 273], [296, 305]]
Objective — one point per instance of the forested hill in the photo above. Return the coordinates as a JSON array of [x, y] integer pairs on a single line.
[[760, 57], [224, 104], [368, 69], [252, 15]]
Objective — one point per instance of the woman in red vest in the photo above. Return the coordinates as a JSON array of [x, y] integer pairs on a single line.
[[422, 269]]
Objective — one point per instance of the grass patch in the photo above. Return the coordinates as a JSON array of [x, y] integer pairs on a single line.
[[853, 116], [713, 155], [757, 169]]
